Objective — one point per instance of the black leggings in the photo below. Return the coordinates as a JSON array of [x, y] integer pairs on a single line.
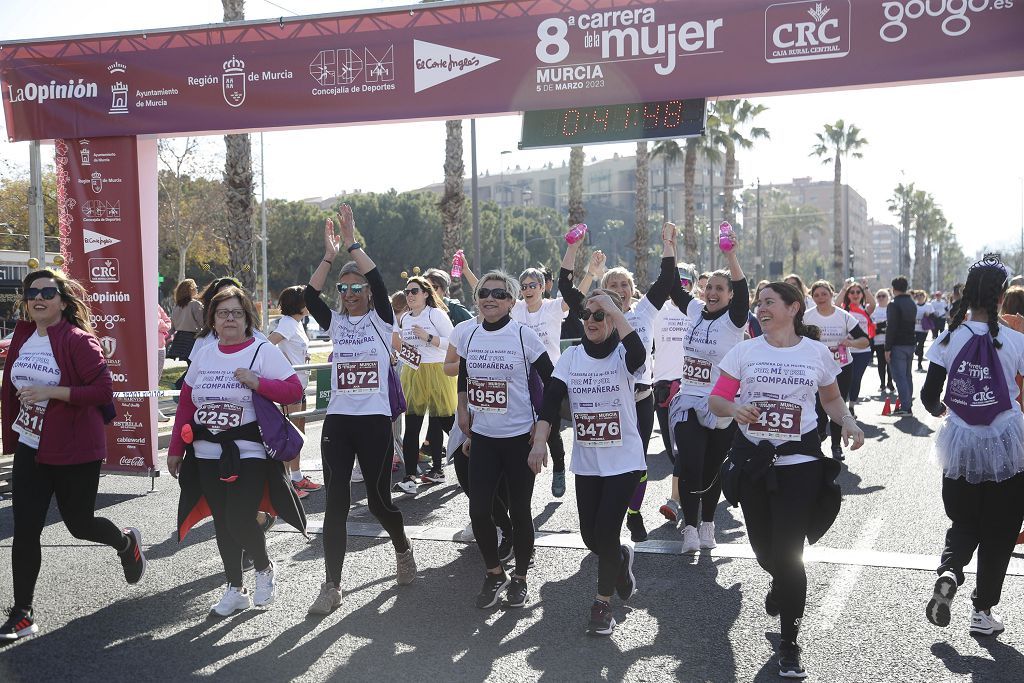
[[701, 454], [346, 438], [499, 508], [661, 392], [234, 506], [777, 524], [825, 425], [645, 420], [884, 372], [34, 485], [411, 440], [556, 447], [920, 338], [492, 460], [601, 503]]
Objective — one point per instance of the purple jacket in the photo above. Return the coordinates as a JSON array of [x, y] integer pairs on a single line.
[[72, 431]]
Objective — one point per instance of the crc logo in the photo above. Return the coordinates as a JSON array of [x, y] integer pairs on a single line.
[[103, 270], [802, 31]]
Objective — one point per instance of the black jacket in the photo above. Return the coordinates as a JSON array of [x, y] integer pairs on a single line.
[[901, 315]]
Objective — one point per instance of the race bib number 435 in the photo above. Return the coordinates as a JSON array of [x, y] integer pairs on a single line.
[[600, 430], [487, 395], [778, 420], [219, 416]]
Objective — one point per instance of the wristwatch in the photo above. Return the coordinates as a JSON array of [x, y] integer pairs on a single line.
[[355, 245]]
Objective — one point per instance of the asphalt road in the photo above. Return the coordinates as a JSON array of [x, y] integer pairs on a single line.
[[693, 619]]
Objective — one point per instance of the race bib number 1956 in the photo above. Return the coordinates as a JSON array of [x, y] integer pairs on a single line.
[[487, 396]]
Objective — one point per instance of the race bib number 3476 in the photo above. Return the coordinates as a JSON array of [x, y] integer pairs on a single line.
[[601, 430]]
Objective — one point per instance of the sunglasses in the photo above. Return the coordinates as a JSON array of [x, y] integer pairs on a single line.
[[586, 314], [412, 291], [356, 289], [499, 294], [47, 293]]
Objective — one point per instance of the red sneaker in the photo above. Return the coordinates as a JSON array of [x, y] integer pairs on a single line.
[[307, 484], [299, 492]]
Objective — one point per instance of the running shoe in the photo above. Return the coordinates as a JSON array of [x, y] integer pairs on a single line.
[[406, 565], [505, 550], [268, 521], [490, 594], [670, 510], [357, 474], [266, 586], [706, 532], [789, 661], [299, 492], [986, 623], [19, 624], [558, 484], [771, 606], [625, 585], [234, 600], [902, 412], [635, 524], [328, 600], [937, 610], [890, 387], [307, 484], [434, 475], [408, 485], [602, 623], [466, 535], [516, 594], [691, 540], [425, 452], [133, 561]]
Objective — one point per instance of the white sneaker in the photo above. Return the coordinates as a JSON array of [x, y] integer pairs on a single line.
[[357, 474], [466, 535], [408, 485], [707, 535], [691, 540], [266, 587], [986, 624], [234, 600]]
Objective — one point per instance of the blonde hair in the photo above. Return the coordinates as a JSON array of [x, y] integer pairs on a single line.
[[618, 271]]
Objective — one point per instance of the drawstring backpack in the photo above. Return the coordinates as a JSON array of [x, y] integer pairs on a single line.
[[976, 387]]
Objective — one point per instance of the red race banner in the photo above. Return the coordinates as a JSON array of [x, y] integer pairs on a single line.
[[467, 59], [102, 245]]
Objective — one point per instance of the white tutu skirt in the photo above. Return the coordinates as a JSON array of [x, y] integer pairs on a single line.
[[981, 453]]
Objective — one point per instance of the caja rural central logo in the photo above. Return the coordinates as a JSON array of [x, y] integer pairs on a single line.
[[802, 31]]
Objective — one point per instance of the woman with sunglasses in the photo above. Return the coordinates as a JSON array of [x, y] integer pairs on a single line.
[[496, 412], [544, 316], [880, 317], [421, 339], [358, 422], [598, 379], [217, 452], [858, 301], [56, 396]]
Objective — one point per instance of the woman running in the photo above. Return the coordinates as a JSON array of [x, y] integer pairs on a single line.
[[798, 282], [421, 340], [598, 377], [922, 323], [57, 394], [717, 325], [980, 445], [858, 302], [496, 411], [880, 318], [358, 422], [218, 453], [840, 332], [783, 475]]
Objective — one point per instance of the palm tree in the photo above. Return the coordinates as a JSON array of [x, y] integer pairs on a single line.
[[238, 185], [576, 211], [706, 146], [928, 221], [669, 152], [734, 116], [833, 144], [643, 195], [454, 198], [900, 204]]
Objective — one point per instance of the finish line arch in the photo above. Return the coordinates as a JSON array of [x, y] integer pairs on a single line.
[[104, 99]]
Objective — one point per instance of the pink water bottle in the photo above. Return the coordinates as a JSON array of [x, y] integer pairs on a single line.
[[725, 242], [457, 261], [576, 233]]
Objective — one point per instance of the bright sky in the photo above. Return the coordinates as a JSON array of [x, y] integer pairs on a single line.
[[960, 141]]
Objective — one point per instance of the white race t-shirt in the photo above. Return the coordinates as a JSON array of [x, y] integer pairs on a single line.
[[433, 321], [1010, 354], [939, 307], [222, 401], [295, 345], [880, 316], [211, 340], [641, 317], [360, 363], [606, 437], [922, 310], [546, 321], [671, 326], [497, 387], [783, 383], [834, 329], [35, 366], [706, 344]]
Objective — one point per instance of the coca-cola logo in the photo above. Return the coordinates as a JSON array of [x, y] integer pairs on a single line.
[[136, 461], [802, 31]]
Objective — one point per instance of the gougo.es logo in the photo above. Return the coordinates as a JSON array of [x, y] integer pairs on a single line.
[[955, 13], [108, 320]]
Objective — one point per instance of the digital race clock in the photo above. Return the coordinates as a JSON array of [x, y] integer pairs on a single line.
[[613, 123]]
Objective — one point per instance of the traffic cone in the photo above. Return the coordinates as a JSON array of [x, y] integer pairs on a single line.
[[887, 408], [897, 405]]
